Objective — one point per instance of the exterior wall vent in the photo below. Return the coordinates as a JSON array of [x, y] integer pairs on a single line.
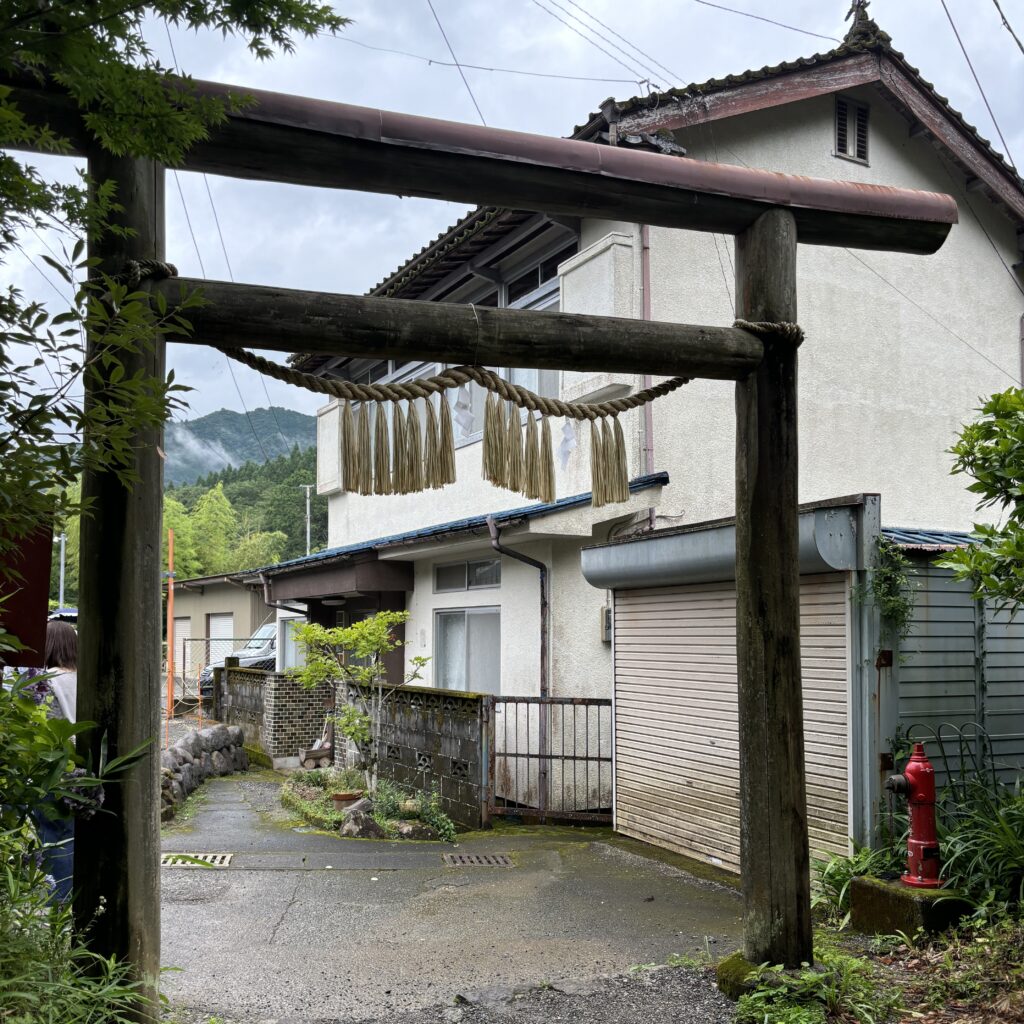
[[851, 130]]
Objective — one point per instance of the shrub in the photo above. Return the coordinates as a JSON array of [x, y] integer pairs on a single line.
[[432, 815], [833, 874]]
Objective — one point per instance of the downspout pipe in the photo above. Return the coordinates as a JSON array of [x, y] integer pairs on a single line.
[[543, 778], [541, 568], [647, 380]]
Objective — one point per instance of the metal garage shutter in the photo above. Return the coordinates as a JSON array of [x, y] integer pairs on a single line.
[[677, 767], [220, 629], [183, 647]]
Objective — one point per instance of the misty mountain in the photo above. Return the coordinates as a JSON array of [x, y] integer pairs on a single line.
[[197, 447]]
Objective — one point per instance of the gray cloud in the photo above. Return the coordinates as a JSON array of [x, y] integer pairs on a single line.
[[344, 241]]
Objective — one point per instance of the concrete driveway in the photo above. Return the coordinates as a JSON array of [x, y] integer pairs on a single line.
[[306, 927]]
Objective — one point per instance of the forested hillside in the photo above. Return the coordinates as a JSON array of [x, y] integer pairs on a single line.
[[238, 518], [225, 438], [246, 516]]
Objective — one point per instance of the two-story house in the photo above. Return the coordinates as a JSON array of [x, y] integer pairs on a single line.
[[898, 350]]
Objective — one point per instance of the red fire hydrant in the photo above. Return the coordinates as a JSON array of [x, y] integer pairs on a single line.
[[917, 784]]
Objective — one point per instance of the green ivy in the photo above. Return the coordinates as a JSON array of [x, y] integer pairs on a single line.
[[892, 590]]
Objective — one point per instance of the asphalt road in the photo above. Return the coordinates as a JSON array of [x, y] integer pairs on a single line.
[[307, 928]]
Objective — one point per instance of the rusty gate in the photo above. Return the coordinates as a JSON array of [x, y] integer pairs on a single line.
[[549, 758]]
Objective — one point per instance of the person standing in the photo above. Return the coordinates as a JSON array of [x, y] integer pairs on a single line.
[[57, 832]]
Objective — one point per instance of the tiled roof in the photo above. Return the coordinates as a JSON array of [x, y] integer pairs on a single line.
[[927, 540], [468, 525], [864, 37]]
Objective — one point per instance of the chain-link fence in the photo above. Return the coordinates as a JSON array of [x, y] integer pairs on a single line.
[[194, 660]]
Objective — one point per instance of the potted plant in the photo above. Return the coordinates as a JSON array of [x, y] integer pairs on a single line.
[[344, 800]]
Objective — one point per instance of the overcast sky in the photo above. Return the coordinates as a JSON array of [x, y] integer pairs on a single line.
[[347, 241]]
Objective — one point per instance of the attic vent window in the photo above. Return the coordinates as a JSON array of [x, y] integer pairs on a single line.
[[851, 130]]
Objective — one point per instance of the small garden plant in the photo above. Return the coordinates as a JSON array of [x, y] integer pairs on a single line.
[[308, 794], [353, 657]]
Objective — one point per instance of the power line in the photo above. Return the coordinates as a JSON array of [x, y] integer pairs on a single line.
[[916, 304], [771, 21], [572, 28], [195, 243], [1009, 28], [642, 53], [462, 74], [977, 82], [629, 56], [481, 67], [934, 318]]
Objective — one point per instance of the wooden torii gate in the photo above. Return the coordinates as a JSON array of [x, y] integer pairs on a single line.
[[289, 139]]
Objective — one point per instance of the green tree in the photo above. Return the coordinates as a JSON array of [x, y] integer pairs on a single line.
[[255, 550], [354, 656], [95, 53], [68, 524], [991, 451], [186, 559], [214, 525]]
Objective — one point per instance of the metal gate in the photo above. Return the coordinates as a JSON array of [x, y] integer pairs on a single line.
[[550, 757]]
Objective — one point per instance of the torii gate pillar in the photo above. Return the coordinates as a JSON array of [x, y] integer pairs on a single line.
[[117, 855], [774, 858]]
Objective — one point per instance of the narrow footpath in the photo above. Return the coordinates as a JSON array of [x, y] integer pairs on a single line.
[[304, 927]]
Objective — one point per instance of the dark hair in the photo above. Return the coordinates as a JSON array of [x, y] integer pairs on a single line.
[[61, 645]]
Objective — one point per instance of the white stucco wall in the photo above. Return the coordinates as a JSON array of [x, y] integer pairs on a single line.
[[580, 664], [602, 278], [883, 388]]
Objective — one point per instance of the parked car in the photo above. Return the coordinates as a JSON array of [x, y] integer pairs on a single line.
[[259, 651]]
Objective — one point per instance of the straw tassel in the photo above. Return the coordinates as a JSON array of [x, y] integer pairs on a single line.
[[598, 490], [514, 450], [363, 454], [546, 471], [531, 459], [446, 446], [494, 465], [414, 449], [431, 449], [401, 475], [612, 476], [620, 470], [381, 452], [348, 446]]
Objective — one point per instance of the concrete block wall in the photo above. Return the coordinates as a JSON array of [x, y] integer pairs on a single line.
[[434, 739], [239, 695]]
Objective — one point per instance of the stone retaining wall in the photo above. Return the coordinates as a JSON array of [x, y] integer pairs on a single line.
[[434, 739], [199, 754]]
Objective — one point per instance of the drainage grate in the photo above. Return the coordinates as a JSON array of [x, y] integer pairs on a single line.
[[480, 860], [188, 860]]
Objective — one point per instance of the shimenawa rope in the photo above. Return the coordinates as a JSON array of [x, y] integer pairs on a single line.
[[410, 452]]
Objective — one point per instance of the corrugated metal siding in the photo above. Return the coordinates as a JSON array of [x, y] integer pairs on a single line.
[[960, 668], [677, 768], [1004, 687]]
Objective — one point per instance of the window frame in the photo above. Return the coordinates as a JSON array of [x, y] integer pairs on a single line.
[[465, 588], [853, 109], [483, 609]]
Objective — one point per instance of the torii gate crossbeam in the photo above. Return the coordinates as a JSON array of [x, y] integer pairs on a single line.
[[284, 138]]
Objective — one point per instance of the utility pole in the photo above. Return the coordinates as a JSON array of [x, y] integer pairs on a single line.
[[307, 488], [63, 548]]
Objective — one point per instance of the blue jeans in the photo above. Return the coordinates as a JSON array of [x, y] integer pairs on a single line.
[[59, 861]]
